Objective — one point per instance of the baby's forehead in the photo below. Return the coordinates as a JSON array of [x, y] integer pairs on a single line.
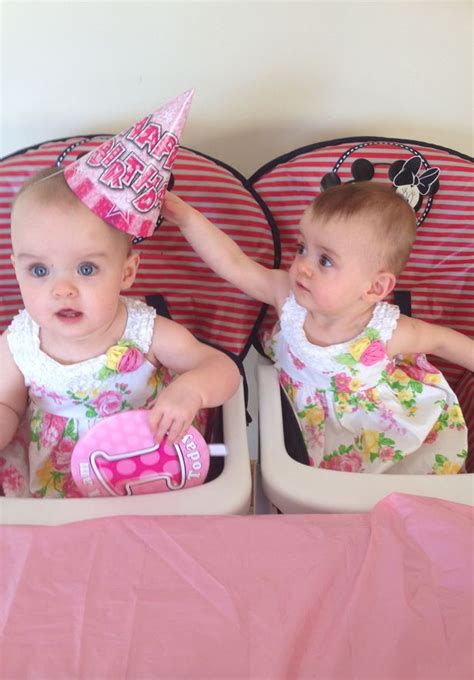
[[359, 225], [36, 209]]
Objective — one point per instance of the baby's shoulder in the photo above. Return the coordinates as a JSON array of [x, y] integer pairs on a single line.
[[137, 308], [384, 320], [22, 332], [140, 322]]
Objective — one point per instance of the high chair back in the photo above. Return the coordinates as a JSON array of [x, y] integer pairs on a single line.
[[436, 285]]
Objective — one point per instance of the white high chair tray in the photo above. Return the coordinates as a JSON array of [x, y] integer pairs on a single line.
[[229, 493], [296, 488]]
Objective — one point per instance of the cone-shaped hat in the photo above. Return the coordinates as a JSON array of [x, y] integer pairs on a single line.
[[124, 180]]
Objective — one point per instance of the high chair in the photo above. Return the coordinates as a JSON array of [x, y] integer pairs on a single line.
[[436, 286], [169, 268]]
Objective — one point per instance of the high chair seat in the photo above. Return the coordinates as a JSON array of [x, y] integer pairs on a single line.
[[228, 494], [435, 286], [296, 488]]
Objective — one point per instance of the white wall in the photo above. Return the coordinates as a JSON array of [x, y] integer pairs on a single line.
[[269, 76]]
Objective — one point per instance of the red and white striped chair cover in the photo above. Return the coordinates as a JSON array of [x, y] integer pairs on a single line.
[[440, 274]]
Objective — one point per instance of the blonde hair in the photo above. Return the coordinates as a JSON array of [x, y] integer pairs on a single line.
[[50, 186], [389, 217], [56, 183]]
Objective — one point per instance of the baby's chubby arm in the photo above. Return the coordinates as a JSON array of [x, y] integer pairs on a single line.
[[414, 335], [13, 394], [224, 256], [207, 378]]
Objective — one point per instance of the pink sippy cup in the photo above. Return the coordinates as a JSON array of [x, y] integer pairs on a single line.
[[118, 457]]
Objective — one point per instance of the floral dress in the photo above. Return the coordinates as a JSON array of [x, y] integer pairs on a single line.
[[358, 410], [66, 400]]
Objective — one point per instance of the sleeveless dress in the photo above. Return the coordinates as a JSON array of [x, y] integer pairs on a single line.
[[66, 400], [358, 410]]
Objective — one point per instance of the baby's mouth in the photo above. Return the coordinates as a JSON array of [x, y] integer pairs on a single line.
[[68, 314]]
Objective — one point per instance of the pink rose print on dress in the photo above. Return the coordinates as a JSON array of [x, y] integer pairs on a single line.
[[413, 372], [40, 391], [11, 480], [61, 454], [130, 361], [431, 437], [297, 362], [389, 421], [372, 354], [320, 398], [420, 368], [346, 462], [342, 382], [287, 381], [108, 403], [51, 430], [386, 453]]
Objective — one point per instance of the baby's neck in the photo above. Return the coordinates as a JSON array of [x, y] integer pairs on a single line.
[[326, 330]]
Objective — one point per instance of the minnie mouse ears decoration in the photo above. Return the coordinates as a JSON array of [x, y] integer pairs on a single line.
[[124, 180], [410, 184], [404, 174]]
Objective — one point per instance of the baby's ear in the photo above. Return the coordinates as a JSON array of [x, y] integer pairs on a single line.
[[130, 269], [381, 286]]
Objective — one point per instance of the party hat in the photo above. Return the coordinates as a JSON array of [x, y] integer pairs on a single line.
[[124, 180]]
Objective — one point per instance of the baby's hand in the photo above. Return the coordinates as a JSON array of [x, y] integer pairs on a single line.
[[174, 208], [174, 412]]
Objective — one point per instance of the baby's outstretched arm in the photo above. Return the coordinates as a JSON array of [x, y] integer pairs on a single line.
[[224, 256], [13, 395], [414, 335], [207, 378]]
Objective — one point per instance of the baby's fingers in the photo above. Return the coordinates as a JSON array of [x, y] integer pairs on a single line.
[[172, 428], [159, 424], [176, 431]]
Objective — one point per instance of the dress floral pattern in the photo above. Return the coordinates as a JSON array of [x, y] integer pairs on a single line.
[[66, 400], [358, 410]]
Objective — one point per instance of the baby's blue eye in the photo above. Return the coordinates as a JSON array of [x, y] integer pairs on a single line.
[[325, 261], [86, 269], [39, 270], [301, 248]]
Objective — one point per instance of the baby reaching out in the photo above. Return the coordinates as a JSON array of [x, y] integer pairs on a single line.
[[353, 367]]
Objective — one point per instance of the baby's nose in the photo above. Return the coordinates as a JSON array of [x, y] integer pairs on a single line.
[[305, 266], [64, 288]]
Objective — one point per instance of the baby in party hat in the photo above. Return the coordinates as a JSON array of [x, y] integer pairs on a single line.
[[80, 351]]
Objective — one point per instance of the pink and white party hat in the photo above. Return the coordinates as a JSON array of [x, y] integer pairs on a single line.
[[124, 180]]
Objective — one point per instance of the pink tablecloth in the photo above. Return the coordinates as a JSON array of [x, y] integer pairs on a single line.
[[387, 595]]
